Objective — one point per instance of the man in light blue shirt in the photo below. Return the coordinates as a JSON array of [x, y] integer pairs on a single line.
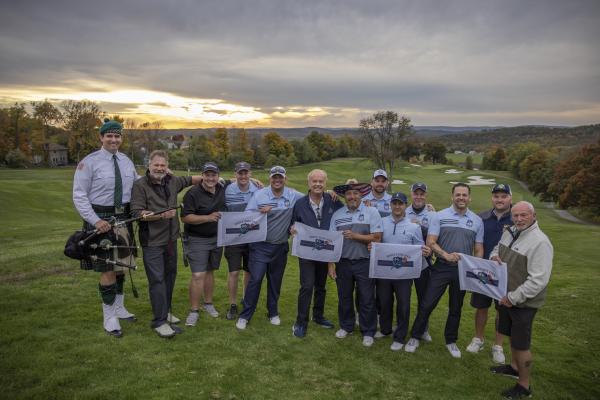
[[360, 226], [379, 197], [398, 229], [237, 196], [102, 190], [269, 257], [453, 230]]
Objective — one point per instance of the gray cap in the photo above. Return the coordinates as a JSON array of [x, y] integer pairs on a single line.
[[242, 166], [210, 166], [277, 170]]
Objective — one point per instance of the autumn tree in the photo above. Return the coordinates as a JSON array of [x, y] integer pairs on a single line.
[[277, 150], [201, 150], [221, 141], [495, 159], [47, 115], [382, 135], [240, 148], [435, 152], [82, 120]]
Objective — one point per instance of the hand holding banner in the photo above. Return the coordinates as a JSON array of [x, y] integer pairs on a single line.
[[395, 261], [241, 227], [482, 276], [317, 244]]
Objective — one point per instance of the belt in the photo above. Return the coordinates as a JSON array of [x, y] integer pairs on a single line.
[[109, 211]]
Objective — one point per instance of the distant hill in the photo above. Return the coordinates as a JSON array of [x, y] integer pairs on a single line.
[[546, 135]]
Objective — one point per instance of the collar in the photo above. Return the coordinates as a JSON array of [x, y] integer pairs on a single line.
[[411, 209], [313, 204], [272, 196], [454, 212], [108, 155], [239, 191], [360, 207], [397, 222], [371, 196]]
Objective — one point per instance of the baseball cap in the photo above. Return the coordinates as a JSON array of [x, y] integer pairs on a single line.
[[399, 196], [277, 170], [418, 185], [380, 172], [242, 166], [502, 187], [210, 166]]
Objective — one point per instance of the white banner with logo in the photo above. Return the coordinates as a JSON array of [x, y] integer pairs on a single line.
[[241, 227], [395, 261], [317, 244], [482, 276]]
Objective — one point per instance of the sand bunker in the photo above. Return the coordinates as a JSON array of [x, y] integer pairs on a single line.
[[453, 171], [398, 182], [477, 180]]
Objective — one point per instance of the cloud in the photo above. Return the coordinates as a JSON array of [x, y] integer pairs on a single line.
[[454, 60]]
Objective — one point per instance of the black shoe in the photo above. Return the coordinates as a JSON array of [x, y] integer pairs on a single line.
[[324, 323], [178, 330], [506, 370], [299, 331], [516, 392], [116, 333], [232, 313]]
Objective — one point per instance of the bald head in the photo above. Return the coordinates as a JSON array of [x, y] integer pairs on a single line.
[[523, 215]]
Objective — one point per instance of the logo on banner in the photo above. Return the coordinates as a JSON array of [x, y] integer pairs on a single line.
[[483, 276], [244, 228], [397, 261], [318, 244]]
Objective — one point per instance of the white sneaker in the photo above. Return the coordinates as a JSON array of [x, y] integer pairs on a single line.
[[368, 341], [412, 345], [172, 319], [454, 350], [165, 331], [241, 324], [340, 334], [475, 346], [498, 354], [396, 346], [192, 318], [211, 310], [379, 335], [426, 337], [275, 320]]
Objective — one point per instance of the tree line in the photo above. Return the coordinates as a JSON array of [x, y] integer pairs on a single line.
[[570, 177]]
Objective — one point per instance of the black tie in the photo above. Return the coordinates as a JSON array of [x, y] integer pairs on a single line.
[[118, 200], [318, 211]]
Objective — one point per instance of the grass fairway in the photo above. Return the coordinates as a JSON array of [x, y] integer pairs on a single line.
[[53, 345]]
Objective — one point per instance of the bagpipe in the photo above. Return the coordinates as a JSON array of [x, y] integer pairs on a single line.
[[110, 247]]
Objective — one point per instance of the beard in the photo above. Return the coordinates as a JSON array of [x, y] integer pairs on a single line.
[[158, 176]]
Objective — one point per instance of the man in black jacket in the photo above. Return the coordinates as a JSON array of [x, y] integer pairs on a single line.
[[315, 210]]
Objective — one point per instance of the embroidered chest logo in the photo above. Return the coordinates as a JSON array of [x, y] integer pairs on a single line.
[[469, 223], [361, 217]]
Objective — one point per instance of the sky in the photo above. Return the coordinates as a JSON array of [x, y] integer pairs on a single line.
[[305, 63]]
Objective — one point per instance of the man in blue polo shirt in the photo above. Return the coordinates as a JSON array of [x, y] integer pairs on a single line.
[[495, 221], [419, 212], [360, 226], [269, 257], [379, 197], [453, 230], [398, 229], [237, 196]]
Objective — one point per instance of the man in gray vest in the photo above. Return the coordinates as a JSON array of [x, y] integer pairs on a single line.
[[528, 253]]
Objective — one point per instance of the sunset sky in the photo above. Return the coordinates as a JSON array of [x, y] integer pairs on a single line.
[[308, 63]]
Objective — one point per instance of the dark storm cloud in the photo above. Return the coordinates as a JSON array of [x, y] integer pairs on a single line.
[[461, 57]]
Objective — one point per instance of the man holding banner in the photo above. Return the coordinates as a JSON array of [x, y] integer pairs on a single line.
[[397, 229], [528, 253], [314, 210], [360, 226], [495, 221], [237, 196], [452, 231], [269, 257]]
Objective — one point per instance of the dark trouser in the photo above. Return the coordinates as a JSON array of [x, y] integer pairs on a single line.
[[313, 276], [160, 263], [387, 289], [421, 288], [348, 273], [442, 275], [265, 259]]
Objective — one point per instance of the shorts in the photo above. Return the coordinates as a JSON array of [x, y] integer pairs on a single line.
[[237, 257], [203, 253], [517, 323], [480, 301]]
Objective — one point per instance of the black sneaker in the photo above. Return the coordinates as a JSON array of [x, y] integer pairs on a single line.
[[506, 370], [516, 392], [232, 313], [324, 323], [177, 329]]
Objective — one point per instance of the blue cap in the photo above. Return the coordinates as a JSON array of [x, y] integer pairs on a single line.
[[210, 166], [502, 187], [418, 185], [242, 166], [399, 196]]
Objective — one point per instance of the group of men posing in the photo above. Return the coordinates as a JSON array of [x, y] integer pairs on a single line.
[[107, 185]]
